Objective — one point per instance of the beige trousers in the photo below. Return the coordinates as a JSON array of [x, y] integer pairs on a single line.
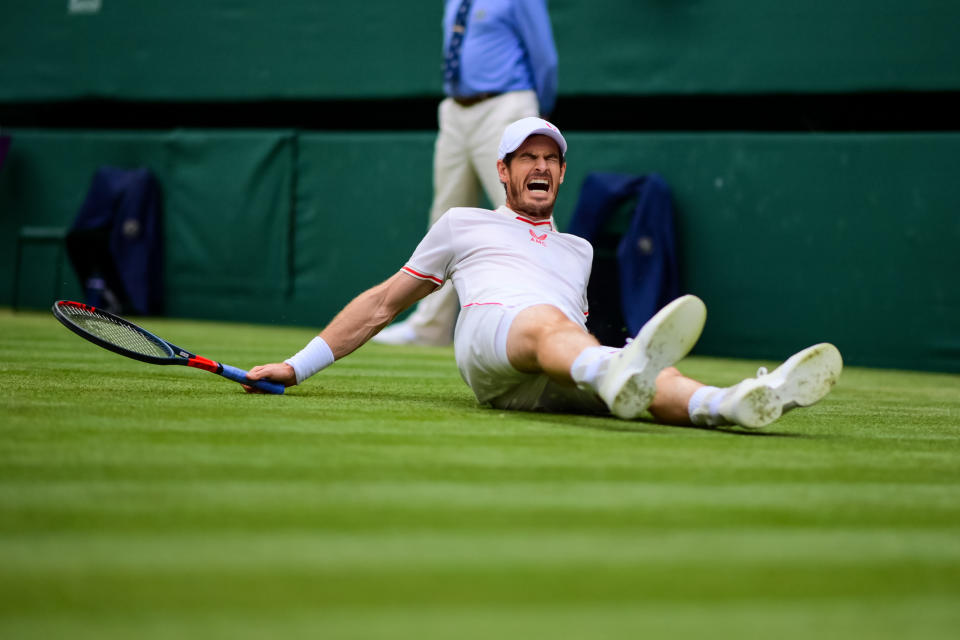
[[464, 161]]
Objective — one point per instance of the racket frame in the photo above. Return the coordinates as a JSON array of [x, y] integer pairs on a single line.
[[178, 355]]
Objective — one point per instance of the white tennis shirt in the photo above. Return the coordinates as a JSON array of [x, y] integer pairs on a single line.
[[501, 257]]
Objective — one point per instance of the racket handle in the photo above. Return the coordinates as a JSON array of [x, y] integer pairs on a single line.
[[239, 375]]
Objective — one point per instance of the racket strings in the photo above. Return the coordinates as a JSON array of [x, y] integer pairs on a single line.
[[115, 332]]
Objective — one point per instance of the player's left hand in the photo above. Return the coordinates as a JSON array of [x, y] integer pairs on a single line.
[[278, 372]]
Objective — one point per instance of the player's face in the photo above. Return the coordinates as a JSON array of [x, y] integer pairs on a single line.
[[534, 176]]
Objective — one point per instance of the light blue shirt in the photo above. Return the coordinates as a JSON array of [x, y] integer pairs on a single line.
[[508, 46]]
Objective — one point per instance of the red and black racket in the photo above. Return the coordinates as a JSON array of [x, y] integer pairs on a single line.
[[122, 336]]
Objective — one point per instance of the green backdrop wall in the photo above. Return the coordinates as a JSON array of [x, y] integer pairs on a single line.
[[790, 239], [244, 49], [228, 197]]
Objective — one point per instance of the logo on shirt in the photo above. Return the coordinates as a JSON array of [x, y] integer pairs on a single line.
[[540, 240]]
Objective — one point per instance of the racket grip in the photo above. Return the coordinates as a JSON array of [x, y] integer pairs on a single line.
[[239, 375]]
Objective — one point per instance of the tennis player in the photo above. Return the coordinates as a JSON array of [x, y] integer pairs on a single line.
[[521, 340]]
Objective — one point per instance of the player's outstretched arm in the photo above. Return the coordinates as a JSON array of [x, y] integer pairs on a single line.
[[356, 323], [372, 310]]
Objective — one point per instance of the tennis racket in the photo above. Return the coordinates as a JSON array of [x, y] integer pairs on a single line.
[[122, 336]]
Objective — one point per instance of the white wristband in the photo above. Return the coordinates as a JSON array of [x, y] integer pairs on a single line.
[[311, 359]]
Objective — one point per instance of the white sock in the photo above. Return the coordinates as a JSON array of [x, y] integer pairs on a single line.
[[704, 406], [590, 366]]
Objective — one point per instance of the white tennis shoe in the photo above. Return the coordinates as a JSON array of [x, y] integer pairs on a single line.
[[628, 384], [399, 333], [804, 379], [404, 334]]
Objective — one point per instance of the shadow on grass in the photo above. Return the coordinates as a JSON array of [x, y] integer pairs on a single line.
[[468, 405], [643, 426]]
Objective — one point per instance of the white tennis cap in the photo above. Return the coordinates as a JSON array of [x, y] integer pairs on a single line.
[[516, 133]]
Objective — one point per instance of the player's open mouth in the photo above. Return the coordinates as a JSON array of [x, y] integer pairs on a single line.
[[538, 184]]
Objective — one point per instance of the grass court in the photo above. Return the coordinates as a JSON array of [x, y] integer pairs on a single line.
[[379, 501]]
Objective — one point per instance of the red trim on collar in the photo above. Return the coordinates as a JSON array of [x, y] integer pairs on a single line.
[[535, 223]]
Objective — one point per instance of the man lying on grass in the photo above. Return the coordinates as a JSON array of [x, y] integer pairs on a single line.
[[521, 340]]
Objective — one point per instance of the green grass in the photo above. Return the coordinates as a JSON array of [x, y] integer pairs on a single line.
[[378, 501]]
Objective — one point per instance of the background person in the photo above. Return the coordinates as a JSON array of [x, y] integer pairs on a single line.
[[500, 65]]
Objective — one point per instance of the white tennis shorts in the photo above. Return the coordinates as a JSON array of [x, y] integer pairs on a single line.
[[480, 344]]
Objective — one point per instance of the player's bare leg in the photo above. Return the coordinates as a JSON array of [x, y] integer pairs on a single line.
[[543, 339], [672, 398]]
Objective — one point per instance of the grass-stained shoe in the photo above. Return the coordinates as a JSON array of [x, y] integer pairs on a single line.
[[627, 385], [805, 378]]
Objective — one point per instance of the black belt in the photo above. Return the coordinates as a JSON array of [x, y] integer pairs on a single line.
[[469, 101]]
